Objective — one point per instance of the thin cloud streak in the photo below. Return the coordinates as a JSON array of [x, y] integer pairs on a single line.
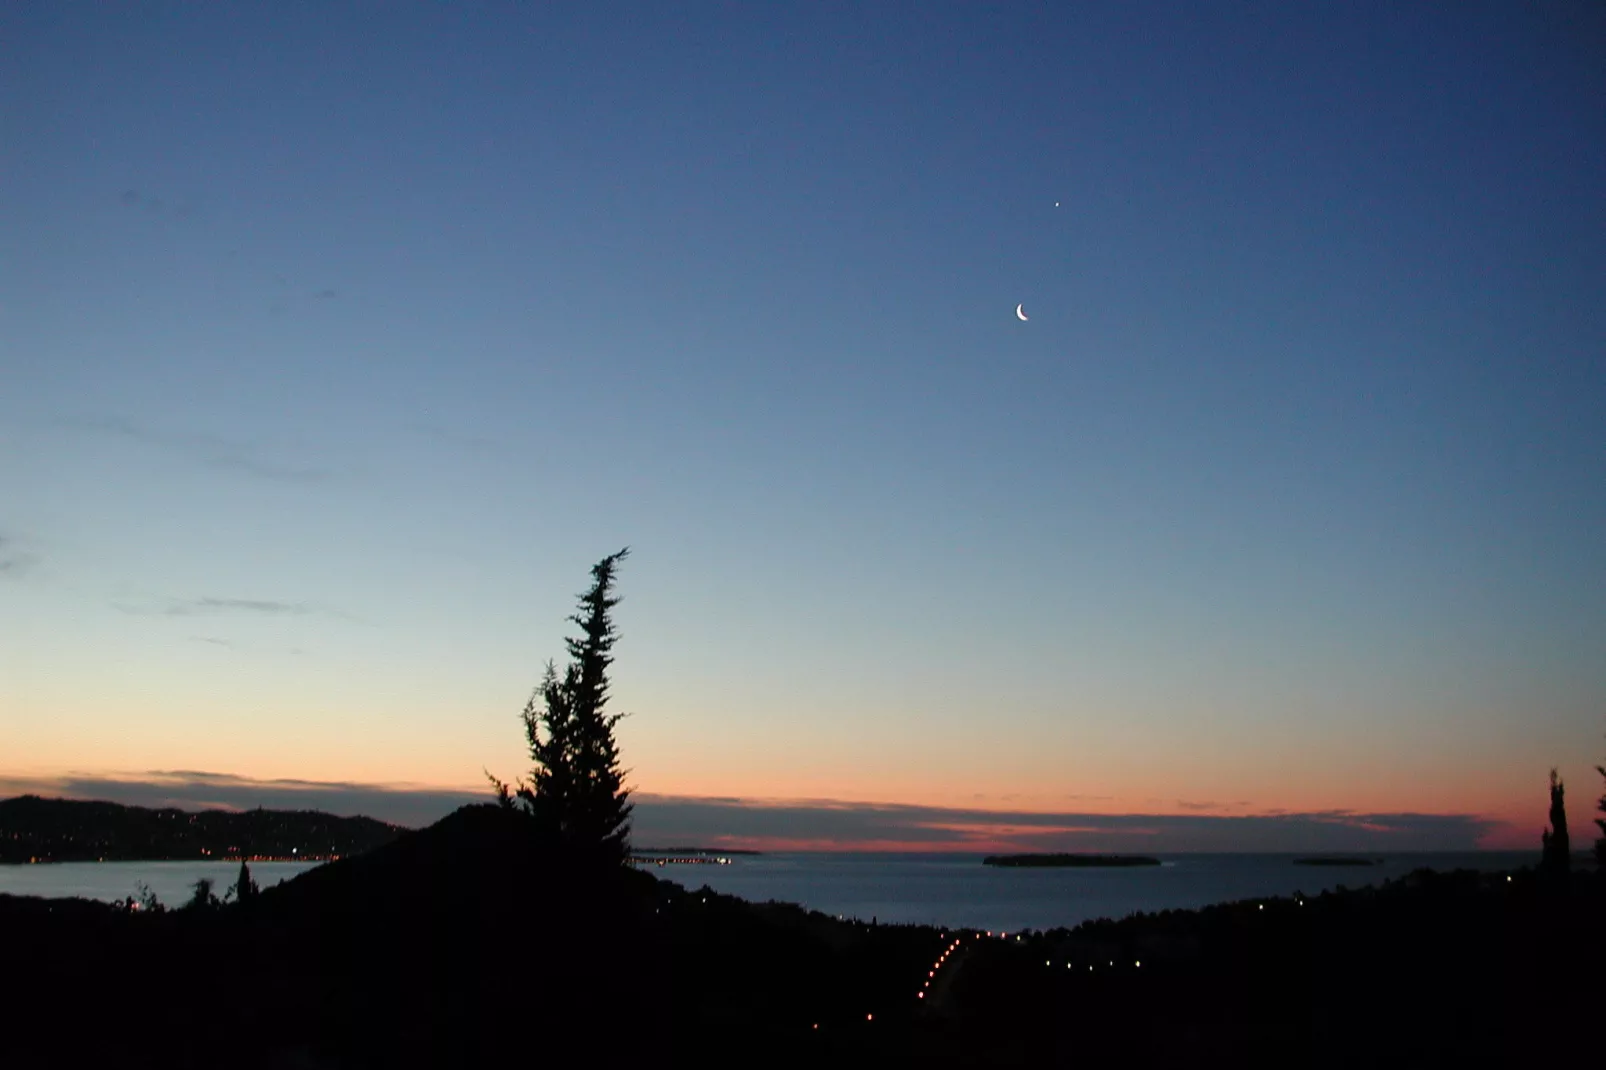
[[139, 200], [14, 561], [16, 564], [238, 605], [815, 824], [214, 606], [206, 449], [474, 443]]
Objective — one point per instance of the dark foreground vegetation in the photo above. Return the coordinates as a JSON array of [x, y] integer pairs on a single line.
[[1072, 860], [33, 829], [479, 941]]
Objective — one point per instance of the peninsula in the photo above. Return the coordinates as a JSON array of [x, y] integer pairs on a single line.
[[34, 829]]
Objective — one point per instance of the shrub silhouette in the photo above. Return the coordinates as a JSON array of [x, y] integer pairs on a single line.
[[144, 899], [202, 897]]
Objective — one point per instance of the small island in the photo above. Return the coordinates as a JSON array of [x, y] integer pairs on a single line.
[[1336, 860], [1070, 860]]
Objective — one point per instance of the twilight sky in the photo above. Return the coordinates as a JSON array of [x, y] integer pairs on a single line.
[[337, 343]]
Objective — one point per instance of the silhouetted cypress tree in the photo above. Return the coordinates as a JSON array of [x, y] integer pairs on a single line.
[[245, 889], [1557, 853], [1600, 844], [549, 726], [576, 785]]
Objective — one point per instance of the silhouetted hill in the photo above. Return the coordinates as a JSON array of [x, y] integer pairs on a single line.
[[71, 830], [451, 936], [477, 855], [498, 919]]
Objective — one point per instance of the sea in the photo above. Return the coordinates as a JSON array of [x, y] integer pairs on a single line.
[[171, 882], [954, 890]]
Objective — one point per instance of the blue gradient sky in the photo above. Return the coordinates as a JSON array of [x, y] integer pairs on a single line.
[[337, 344]]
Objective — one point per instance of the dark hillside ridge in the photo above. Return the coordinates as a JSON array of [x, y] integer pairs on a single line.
[[35, 829]]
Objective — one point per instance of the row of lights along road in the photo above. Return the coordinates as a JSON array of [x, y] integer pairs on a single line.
[[931, 975]]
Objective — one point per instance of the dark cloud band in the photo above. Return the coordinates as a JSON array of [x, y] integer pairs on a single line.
[[819, 824]]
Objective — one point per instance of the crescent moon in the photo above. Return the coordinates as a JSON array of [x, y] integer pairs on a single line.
[[1020, 313]]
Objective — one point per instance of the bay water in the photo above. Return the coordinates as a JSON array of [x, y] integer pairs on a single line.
[[957, 890], [171, 882], [944, 889]]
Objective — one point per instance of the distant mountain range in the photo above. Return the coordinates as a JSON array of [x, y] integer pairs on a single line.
[[35, 829]]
